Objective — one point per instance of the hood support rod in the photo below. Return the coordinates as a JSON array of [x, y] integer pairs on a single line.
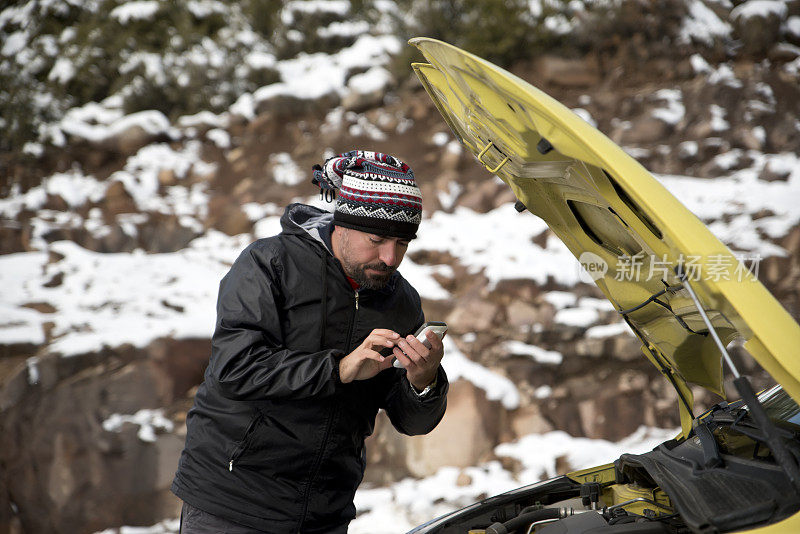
[[773, 438], [706, 320]]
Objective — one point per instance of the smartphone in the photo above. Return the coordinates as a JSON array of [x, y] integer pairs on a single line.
[[437, 327]]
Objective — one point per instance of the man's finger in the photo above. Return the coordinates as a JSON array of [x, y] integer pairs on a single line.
[[373, 355], [418, 346], [385, 332], [378, 340], [405, 361], [386, 363], [434, 339], [411, 352], [437, 346]]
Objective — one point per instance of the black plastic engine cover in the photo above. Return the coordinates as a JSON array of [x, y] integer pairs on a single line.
[[741, 492]]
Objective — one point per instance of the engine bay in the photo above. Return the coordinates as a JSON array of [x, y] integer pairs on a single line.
[[721, 478]]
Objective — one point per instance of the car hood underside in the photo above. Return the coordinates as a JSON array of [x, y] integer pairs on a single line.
[[613, 214]]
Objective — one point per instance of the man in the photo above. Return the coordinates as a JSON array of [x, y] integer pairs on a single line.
[[275, 439]]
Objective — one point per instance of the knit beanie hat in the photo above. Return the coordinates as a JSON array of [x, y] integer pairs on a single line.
[[377, 193]]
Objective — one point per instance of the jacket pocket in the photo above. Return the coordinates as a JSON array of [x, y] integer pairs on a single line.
[[243, 444]]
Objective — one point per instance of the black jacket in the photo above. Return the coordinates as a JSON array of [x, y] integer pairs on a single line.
[[274, 440]]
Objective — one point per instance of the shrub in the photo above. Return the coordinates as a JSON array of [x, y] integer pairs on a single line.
[[183, 57]]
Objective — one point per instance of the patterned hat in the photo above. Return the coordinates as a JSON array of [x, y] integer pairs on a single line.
[[377, 193]]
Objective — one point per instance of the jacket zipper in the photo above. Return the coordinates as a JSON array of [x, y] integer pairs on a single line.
[[315, 468], [352, 323], [326, 435], [244, 442]]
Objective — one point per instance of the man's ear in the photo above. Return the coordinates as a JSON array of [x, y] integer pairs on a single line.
[[336, 238]]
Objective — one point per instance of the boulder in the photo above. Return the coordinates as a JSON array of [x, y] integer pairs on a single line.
[[473, 316], [529, 420], [124, 136], [184, 361], [482, 197], [386, 454], [612, 417], [449, 162], [166, 177], [58, 457], [117, 200], [784, 52], [131, 139], [361, 101], [645, 130], [225, 215], [569, 72], [12, 239], [466, 435], [165, 233], [770, 174], [757, 28], [114, 240], [288, 106], [521, 314]]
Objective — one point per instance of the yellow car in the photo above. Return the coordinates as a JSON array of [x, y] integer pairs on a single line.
[[684, 295]]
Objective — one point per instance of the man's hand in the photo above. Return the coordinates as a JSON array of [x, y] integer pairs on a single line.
[[421, 363], [366, 362]]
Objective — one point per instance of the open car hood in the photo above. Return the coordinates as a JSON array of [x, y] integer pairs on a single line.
[[613, 214]]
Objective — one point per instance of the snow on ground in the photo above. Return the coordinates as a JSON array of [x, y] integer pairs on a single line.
[[579, 452], [285, 171], [760, 8], [499, 244], [20, 325], [703, 25], [137, 10], [421, 277], [148, 421], [673, 110], [75, 188], [112, 299], [585, 115], [739, 208], [578, 317], [169, 526], [98, 123], [608, 330], [310, 76], [140, 176], [496, 386], [538, 354]]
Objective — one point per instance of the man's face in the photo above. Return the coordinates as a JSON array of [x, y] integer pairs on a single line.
[[369, 259]]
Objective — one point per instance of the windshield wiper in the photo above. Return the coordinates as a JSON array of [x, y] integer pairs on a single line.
[[772, 436]]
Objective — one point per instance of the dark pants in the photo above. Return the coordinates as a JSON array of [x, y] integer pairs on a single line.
[[196, 521]]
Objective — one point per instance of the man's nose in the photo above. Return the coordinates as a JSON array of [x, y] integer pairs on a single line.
[[388, 254]]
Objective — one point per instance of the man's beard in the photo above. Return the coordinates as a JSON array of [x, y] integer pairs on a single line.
[[371, 280]]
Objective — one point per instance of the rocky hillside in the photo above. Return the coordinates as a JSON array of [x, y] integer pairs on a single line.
[[143, 144]]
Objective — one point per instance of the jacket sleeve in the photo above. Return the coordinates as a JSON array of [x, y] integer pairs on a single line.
[[248, 359], [410, 414]]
